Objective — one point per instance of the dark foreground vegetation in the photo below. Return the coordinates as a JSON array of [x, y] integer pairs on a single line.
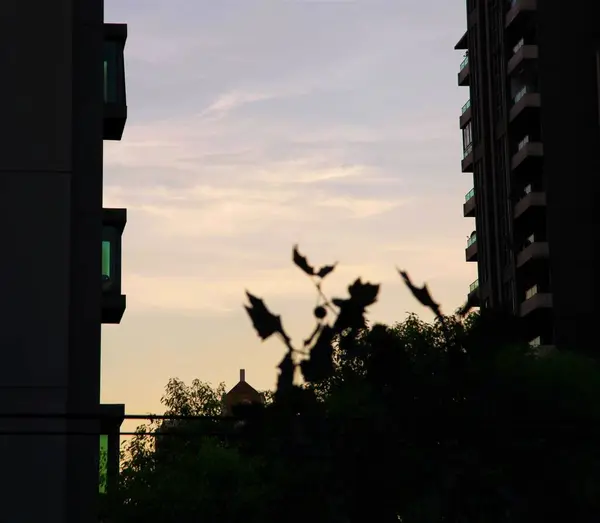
[[457, 421]]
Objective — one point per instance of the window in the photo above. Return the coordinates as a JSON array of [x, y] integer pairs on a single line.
[[111, 68], [103, 472], [467, 136], [106, 272], [111, 259]]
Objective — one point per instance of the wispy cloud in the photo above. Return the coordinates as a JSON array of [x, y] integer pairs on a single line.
[[329, 124], [229, 101]]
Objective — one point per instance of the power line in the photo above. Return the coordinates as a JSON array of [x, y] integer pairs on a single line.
[[100, 415]]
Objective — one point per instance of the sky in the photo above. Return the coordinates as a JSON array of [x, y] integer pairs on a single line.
[[256, 125]]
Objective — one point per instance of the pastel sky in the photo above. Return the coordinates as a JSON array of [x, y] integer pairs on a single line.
[[254, 125]]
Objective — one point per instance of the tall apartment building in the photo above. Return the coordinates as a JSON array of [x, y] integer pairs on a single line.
[[64, 92], [531, 138]]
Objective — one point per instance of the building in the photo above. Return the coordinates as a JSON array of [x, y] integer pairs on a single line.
[[531, 141], [241, 394], [110, 445], [64, 80], [222, 428]]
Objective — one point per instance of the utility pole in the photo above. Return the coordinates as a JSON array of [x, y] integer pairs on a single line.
[[53, 60]]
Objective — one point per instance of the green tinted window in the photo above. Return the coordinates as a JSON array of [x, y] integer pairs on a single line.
[[103, 462], [111, 65], [105, 79], [106, 259]]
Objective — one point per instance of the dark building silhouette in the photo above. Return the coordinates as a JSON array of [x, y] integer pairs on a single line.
[[531, 139], [223, 428], [63, 87], [242, 394]]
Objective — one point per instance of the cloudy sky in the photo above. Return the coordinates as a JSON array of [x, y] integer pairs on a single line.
[[254, 125]]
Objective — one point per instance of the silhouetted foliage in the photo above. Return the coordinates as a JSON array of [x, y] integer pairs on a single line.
[[455, 421], [175, 469]]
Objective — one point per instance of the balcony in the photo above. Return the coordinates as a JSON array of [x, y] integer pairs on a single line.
[[113, 302], [530, 202], [463, 43], [522, 52], [525, 99], [519, 9], [469, 205], [534, 251], [473, 297], [527, 152], [111, 418], [467, 159], [465, 114], [535, 301], [464, 71], [471, 250], [115, 103]]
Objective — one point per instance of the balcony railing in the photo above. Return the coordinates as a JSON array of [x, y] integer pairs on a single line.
[[474, 286], [530, 240], [465, 62], [531, 292], [523, 143], [521, 93], [465, 107], [467, 150], [472, 239], [469, 195], [520, 44]]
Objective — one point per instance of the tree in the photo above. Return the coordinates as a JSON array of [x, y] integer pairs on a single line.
[[183, 471], [458, 420], [453, 421]]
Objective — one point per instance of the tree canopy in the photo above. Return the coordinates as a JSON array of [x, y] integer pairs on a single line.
[[453, 421]]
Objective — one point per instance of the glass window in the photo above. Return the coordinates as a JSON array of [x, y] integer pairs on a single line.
[[103, 463], [106, 272], [111, 72], [467, 136]]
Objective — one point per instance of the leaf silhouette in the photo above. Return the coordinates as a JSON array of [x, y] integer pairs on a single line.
[[264, 321], [338, 302], [285, 381], [421, 294], [319, 366], [352, 310], [363, 294], [302, 262], [325, 270]]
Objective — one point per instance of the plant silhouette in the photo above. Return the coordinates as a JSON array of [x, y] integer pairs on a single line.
[[455, 421], [349, 319]]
